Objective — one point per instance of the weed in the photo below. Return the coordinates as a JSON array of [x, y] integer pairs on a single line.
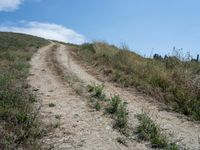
[[149, 131], [52, 105], [97, 89], [122, 117], [114, 104], [97, 106], [118, 109]]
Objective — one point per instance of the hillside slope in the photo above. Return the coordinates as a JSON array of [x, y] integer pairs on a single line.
[[169, 80], [91, 96], [18, 123]]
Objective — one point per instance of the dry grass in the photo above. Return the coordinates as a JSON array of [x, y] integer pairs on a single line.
[[18, 118], [174, 82]]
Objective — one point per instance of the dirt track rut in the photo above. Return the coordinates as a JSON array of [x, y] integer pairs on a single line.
[[187, 133], [76, 126], [79, 127]]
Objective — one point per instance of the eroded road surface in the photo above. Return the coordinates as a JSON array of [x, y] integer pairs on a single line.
[[77, 126]]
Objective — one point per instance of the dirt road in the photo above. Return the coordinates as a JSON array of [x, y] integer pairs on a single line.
[[76, 125]]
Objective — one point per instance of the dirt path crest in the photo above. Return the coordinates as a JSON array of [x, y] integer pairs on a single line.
[[75, 126], [186, 131]]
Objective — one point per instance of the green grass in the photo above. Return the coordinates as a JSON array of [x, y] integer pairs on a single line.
[[149, 131], [122, 117], [114, 106], [19, 124], [118, 109], [174, 82], [97, 106], [115, 102], [97, 90]]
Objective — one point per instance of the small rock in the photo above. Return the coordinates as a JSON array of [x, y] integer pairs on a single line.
[[122, 141], [76, 116], [74, 125], [35, 89], [108, 128]]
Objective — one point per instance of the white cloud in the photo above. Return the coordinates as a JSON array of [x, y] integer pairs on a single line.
[[47, 30], [9, 5]]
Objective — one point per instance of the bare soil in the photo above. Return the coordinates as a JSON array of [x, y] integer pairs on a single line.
[[73, 124], [77, 126], [178, 127]]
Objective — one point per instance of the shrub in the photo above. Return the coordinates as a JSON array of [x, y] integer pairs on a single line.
[[97, 90], [118, 109], [114, 104], [89, 48], [17, 112], [97, 106], [149, 131], [122, 116]]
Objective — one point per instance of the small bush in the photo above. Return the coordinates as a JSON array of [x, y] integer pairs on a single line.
[[114, 104], [118, 109], [97, 106], [122, 117], [89, 47], [149, 131], [97, 90]]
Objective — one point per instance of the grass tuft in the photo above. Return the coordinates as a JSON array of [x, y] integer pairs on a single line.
[[97, 90], [118, 109], [115, 102], [97, 106], [149, 131]]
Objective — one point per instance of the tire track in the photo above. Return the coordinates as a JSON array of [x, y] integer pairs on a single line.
[[75, 125], [186, 132]]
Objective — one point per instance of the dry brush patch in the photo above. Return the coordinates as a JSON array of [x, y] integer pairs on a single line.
[[169, 80], [20, 127]]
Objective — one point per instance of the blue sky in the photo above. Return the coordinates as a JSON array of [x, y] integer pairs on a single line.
[[146, 26]]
